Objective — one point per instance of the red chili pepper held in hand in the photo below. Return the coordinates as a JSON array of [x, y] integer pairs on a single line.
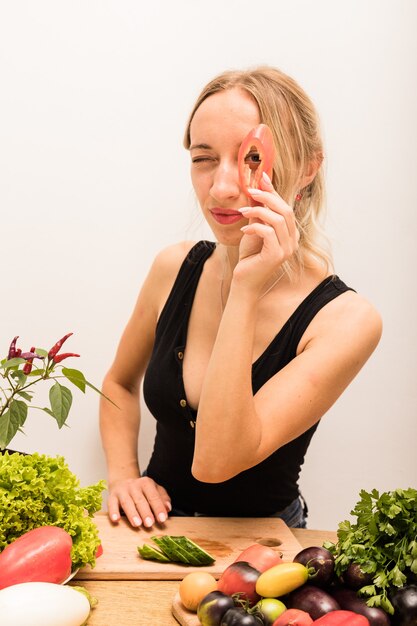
[[60, 357], [256, 156], [56, 348]]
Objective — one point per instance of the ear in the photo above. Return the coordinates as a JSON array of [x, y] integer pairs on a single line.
[[312, 169]]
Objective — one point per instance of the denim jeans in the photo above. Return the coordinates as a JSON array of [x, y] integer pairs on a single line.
[[294, 515]]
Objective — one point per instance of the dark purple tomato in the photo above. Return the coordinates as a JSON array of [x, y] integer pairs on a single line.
[[355, 578], [313, 600], [212, 608], [404, 601], [350, 601], [240, 617], [319, 562]]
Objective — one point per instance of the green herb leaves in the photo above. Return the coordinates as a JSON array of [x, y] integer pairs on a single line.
[[383, 542]]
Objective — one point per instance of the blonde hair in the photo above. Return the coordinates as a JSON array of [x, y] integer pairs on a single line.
[[293, 120]]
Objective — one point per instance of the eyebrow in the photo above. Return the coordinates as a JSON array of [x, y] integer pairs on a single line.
[[200, 146]]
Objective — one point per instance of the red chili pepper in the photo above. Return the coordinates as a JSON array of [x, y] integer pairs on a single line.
[[256, 156], [12, 349], [60, 357], [27, 368], [56, 348]]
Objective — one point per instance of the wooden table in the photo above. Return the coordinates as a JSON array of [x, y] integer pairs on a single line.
[[148, 602]]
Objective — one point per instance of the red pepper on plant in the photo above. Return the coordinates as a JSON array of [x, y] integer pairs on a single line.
[[12, 349], [27, 368], [60, 357], [56, 347]]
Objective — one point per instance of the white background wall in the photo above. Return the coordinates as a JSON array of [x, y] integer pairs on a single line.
[[94, 96]]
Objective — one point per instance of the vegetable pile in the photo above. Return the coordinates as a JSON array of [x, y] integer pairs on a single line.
[[37, 490], [368, 578]]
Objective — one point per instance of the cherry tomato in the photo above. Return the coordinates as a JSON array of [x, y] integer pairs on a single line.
[[256, 155], [240, 617], [194, 587], [240, 578], [269, 609], [293, 617], [212, 607]]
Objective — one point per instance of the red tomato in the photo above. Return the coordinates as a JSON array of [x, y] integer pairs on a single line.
[[342, 618], [260, 557], [240, 578], [40, 555], [293, 617], [99, 550], [256, 155]]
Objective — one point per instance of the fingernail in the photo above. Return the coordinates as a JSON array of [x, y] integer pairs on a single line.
[[148, 521], [244, 209], [137, 521], [114, 517], [253, 191], [266, 178], [168, 506], [244, 228], [162, 517]]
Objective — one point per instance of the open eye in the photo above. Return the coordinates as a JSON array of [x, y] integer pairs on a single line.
[[253, 159]]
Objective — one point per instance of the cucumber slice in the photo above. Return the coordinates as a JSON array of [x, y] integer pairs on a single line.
[[152, 554], [176, 549], [170, 549], [197, 552]]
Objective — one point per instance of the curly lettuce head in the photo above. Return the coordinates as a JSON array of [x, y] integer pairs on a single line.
[[38, 490]]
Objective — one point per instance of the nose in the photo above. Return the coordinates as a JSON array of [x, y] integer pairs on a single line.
[[225, 184]]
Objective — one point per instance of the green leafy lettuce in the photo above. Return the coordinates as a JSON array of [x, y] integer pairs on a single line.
[[38, 490]]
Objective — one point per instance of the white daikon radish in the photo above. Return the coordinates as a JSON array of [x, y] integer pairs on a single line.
[[42, 604]]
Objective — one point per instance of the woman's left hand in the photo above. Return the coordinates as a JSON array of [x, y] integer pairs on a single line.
[[270, 238]]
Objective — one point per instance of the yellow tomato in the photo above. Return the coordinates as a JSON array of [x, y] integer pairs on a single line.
[[281, 579], [194, 587]]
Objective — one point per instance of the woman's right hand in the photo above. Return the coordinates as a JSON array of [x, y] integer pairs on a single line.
[[142, 499]]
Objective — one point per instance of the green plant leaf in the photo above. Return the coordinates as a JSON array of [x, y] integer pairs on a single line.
[[18, 411], [19, 376], [101, 394], [60, 398], [12, 363], [11, 421], [76, 377], [25, 394], [41, 352]]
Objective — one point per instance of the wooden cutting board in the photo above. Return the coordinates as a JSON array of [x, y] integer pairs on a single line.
[[184, 617], [223, 537]]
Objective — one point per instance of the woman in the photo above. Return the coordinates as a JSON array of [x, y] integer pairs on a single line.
[[242, 345]]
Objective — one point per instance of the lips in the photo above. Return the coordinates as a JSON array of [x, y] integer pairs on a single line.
[[226, 216]]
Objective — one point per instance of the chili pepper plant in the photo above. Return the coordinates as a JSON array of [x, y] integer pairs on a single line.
[[19, 373]]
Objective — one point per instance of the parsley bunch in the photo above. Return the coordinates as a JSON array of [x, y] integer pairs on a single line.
[[383, 542]]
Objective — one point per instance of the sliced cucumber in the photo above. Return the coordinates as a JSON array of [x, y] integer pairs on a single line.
[[176, 549], [152, 554], [193, 549]]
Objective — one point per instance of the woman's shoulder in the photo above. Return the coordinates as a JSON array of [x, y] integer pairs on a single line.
[[169, 259], [350, 316]]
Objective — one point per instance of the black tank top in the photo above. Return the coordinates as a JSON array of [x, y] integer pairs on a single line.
[[261, 490]]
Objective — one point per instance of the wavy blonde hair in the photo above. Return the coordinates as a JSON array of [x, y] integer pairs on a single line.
[[293, 120]]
